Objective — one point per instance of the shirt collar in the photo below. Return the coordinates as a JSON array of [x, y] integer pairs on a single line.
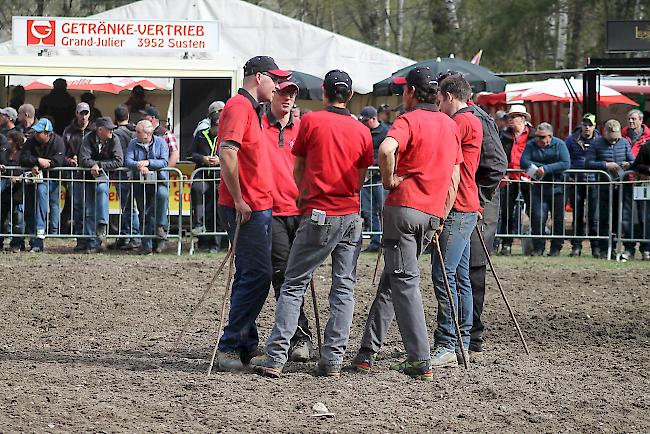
[[425, 106], [338, 110], [273, 121], [256, 105]]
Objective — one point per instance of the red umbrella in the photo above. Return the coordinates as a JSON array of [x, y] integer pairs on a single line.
[[555, 89], [101, 84]]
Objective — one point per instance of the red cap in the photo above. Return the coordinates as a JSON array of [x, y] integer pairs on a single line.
[[281, 73], [399, 80], [286, 84]]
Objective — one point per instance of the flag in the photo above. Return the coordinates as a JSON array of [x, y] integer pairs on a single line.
[[477, 58]]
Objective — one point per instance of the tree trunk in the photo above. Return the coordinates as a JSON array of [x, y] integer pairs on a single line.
[[400, 26], [562, 24], [387, 25], [452, 19]]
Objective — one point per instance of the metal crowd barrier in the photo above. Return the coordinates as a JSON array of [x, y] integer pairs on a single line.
[[204, 216], [67, 194], [372, 203], [633, 213]]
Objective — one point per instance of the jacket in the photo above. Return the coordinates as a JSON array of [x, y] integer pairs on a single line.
[[642, 161], [60, 106], [507, 140], [110, 157], [601, 152], [378, 135], [554, 158], [157, 153], [73, 137], [640, 141], [53, 150], [201, 147]]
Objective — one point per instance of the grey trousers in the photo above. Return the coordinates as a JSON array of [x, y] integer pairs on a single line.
[[407, 232], [340, 237]]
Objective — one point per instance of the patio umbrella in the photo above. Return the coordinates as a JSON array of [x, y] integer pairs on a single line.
[[97, 84], [481, 79], [556, 89], [311, 87]]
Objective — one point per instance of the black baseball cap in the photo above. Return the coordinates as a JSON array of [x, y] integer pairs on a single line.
[[419, 77], [264, 64], [151, 111], [335, 78], [105, 122]]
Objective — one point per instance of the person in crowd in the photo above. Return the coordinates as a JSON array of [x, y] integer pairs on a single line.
[[501, 119], [145, 156], [583, 196], [100, 152], [11, 197], [245, 199], [420, 166], [548, 157], [90, 98], [43, 151], [129, 222], [73, 136], [8, 117], [204, 196], [295, 111], [281, 129], [26, 119], [383, 114], [137, 101], [59, 105], [372, 197], [612, 153], [204, 124], [514, 139], [17, 97], [641, 165], [332, 153]]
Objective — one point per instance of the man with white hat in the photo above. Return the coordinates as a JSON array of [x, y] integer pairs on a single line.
[[514, 139], [8, 116]]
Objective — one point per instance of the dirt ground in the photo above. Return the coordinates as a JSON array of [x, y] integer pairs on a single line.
[[86, 345]]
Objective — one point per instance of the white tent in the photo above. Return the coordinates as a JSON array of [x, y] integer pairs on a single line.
[[247, 30]]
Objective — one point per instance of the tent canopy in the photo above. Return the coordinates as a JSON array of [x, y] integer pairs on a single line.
[[247, 30]]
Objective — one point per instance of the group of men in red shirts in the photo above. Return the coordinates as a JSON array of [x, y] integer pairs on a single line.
[[292, 186]]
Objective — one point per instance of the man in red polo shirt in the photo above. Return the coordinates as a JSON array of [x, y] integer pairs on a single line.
[[281, 129], [245, 193], [419, 162], [333, 151]]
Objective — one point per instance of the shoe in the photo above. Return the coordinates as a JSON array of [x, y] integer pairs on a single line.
[[645, 256], [626, 256], [576, 251], [474, 356], [443, 358], [198, 230], [371, 249], [160, 246], [595, 252], [15, 249], [417, 369], [247, 356], [80, 247], [266, 367], [161, 234], [40, 234], [93, 250], [146, 252], [537, 253], [323, 370], [301, 351], [131, 245], [553, 253], [363, 361], [505, 251], [460, 359], [227, 361], [102, 231], [36, 250]]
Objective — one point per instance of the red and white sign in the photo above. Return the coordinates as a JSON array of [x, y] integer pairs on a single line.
[[114, 35]]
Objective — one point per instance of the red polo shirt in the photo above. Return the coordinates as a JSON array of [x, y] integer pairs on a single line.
[[239, 122], [280, 143], [335, 146], [471, 139], [428, 148]]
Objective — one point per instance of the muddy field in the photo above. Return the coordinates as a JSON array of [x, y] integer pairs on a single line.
[[86, 345]]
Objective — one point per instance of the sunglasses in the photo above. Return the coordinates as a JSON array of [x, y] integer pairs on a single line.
[[275, 79]]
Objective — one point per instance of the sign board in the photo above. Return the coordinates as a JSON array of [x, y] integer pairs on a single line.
[[628, 36], [115, 35], [642, 192]]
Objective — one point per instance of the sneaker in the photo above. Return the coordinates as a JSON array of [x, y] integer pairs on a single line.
[[363, 361], [266, 367], [576, 251], [626, 256], [36, 250], [40, 234], [16, 249], [247, 356], [80, 247], [416, 369], [102, 231], [474, 356], [554, 253], [161, 234], [227, 361], [505, 251], [198, 230], [301, 351], [443, 357], [645, 256], [323, 370]]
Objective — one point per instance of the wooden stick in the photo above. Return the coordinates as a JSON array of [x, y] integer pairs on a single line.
[[374, 276]]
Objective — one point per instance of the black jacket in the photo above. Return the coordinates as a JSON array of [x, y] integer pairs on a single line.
[[201, 148], [110, 157], [642, 162], [53, 150], [73, 137], [60, 106], [125, 133]]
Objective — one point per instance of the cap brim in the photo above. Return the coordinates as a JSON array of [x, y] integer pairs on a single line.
[[280, 73], [362, 118], [287, 84], [399, 80]]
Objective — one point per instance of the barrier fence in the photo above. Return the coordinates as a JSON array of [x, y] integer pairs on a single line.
[[579, 206]]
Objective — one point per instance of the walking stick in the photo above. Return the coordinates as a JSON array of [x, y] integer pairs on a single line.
[[316, 315], [374, 276], [503, 294], [452, 305], [226, 292], [207, 291]]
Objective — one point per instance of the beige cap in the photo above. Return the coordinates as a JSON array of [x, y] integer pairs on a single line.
[[613, 128]]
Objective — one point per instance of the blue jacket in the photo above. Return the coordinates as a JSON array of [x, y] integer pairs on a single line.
[[378, 135], [577, 146], [554, 158], [601, 152], [158, 155]]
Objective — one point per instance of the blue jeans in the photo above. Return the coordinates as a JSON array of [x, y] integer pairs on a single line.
[[455, 247], [96, 210], [147, 199], [129, 223], [372, 204], [162, 205], [41, 199], [542, 202], [252, 279]]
